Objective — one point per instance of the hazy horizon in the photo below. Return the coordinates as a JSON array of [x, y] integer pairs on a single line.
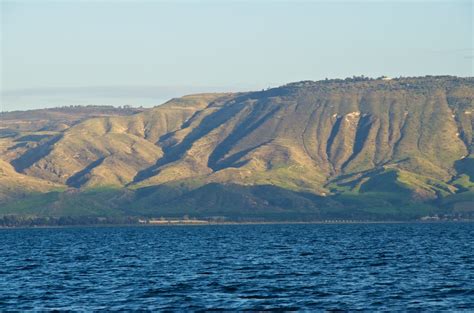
[[135, 96]]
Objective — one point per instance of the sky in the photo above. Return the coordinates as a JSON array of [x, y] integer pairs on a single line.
[[56, 53]]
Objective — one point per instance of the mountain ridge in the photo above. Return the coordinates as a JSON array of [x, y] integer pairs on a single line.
[[409, 137]]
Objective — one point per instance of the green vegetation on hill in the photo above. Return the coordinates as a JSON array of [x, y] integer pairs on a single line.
[[358, 148]]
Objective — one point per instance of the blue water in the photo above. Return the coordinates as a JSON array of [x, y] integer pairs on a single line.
[[307, 267]]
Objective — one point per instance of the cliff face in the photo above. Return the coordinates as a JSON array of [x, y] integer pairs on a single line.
[[409, 136]]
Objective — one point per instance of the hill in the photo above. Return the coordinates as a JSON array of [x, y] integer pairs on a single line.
[[355, 148]]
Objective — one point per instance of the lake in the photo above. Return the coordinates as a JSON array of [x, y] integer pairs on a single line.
[[415, 266]]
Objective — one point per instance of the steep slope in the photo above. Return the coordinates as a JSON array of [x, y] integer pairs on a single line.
[[304, 136], [109, 151], [366, 145], [14, 185], [26, 136]]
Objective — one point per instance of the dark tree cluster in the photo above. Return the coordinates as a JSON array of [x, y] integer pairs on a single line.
[[37, 221]]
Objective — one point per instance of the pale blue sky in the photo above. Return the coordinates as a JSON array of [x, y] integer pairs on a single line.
[[54, 53]]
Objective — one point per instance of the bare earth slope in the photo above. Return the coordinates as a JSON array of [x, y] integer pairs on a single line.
[[351, 147]]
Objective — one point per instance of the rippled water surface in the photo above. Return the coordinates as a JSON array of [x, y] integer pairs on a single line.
[[358, 266]]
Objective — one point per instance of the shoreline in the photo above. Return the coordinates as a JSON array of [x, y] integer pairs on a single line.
[[232, 224]]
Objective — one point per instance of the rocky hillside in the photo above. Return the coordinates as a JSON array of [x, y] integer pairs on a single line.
[[354, 147]]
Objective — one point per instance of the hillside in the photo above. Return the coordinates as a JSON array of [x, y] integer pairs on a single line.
[[359, 148]]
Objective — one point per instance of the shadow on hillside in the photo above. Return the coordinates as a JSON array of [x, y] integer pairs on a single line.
[[465, 166], [209, 123], [78, 179], [35, 154], [270, 202]]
